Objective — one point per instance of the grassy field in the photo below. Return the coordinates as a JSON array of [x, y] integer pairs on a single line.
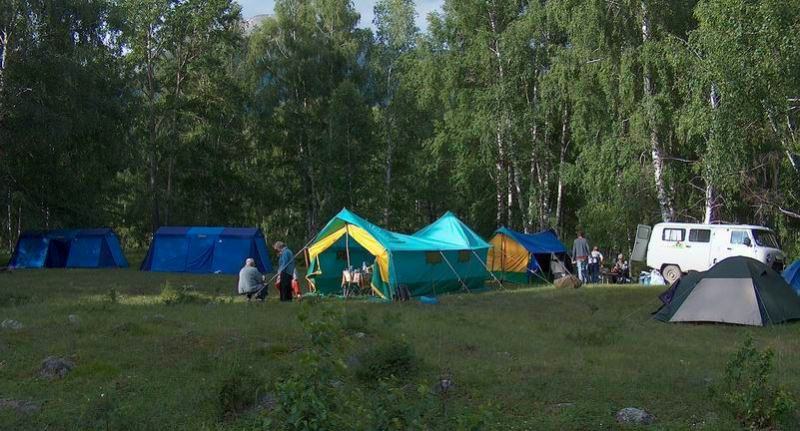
[[531, 358]]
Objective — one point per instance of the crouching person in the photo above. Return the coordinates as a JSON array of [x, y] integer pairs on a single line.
[[251, 282]]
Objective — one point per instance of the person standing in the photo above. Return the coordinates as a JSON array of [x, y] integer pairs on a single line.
[[595, 263], [580, 255], [285, 270], [251, 282]]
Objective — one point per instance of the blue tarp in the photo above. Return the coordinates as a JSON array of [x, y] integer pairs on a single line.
[[218, 250], [792, 276], [537, 243], [75, 248]]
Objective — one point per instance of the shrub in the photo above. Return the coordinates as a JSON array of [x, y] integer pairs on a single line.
[[112, 295], [386, 359], [593, 337], [747, 392], [238, 391], [355, 321], [175, 296]]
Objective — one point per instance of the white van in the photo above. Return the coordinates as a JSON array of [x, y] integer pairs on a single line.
[[676, 248]]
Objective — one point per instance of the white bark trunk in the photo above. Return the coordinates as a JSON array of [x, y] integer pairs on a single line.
[[561, 161], [389, 154], [710, 213], [663, 193], [501, 165]]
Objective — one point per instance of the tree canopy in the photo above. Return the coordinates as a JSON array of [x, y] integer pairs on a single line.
[[538, 114]]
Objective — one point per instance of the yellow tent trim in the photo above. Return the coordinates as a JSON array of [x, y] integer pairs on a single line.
[[507, 255], [363, 238]]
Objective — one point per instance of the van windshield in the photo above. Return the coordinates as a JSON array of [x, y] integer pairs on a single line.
[[765, 238]]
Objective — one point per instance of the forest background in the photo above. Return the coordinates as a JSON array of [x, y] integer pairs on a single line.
[[532, 114]]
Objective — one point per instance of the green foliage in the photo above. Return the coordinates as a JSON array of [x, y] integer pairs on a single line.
[[171, 295], [533, 115], [112, 295], [748, 392], [238, 391], [354, 321], [390, 358]]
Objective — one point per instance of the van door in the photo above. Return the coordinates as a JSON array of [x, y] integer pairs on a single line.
[[731, 242], [698, 249], [639, 253]]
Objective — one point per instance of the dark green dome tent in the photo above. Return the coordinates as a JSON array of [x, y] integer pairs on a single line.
[[738, 290]]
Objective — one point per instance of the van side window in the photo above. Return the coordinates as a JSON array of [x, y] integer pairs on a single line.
[[674, 235], [699, 235], [738, 236]]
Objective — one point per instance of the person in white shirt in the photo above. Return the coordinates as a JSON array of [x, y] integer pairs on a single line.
[[595, 262]]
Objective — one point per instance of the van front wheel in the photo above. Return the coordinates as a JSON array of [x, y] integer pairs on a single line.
[[671, 273]]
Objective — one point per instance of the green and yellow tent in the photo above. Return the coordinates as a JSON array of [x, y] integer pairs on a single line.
[[443, 257]]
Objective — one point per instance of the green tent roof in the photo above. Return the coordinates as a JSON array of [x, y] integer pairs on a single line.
[[738, 290], [447, 233], [450, 230]]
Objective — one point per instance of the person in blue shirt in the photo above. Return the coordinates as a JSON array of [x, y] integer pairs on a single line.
[[285, 270]]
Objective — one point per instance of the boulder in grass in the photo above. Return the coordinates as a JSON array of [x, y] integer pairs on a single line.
[[569, 281], [73, 318], [11, 324], [55, 368], [634, 416], [21, 407]]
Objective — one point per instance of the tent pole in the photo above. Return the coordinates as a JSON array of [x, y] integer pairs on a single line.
[[464, 285], [488, 270], [347, 253], [503, 254], [347, 245]]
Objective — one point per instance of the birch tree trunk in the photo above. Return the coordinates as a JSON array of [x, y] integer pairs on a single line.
[[534, 202], [501, 165], [664, 198], [387, 198], [710, 213], [4, 37], [152, 130], [561, 161]]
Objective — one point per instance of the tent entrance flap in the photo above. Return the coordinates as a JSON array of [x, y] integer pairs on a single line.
[[362, 241]]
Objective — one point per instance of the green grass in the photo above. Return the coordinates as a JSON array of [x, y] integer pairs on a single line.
[[141, 364]]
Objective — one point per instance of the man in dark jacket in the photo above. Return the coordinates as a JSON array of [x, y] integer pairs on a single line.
[[285, 270]]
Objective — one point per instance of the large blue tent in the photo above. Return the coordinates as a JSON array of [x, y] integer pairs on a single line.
[[792, 276], [219, 250], [68, 248], [516, 256]]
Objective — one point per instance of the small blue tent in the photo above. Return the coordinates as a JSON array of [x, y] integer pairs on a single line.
[[219, 250], [68, 248], [515, 256], [792, 276]]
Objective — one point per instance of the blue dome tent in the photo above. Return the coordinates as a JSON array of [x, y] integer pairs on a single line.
[[68, 248], [792, 276], [218, 250]]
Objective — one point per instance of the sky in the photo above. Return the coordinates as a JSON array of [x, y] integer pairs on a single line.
[[251, 8]]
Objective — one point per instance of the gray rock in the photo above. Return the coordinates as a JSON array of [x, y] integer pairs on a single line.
[[55, 368], [11, 324], [444, 386], [21, 407], [353, 361], [561, 406], [359, 335], [73, 318], [266, 402], [634, 416]]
